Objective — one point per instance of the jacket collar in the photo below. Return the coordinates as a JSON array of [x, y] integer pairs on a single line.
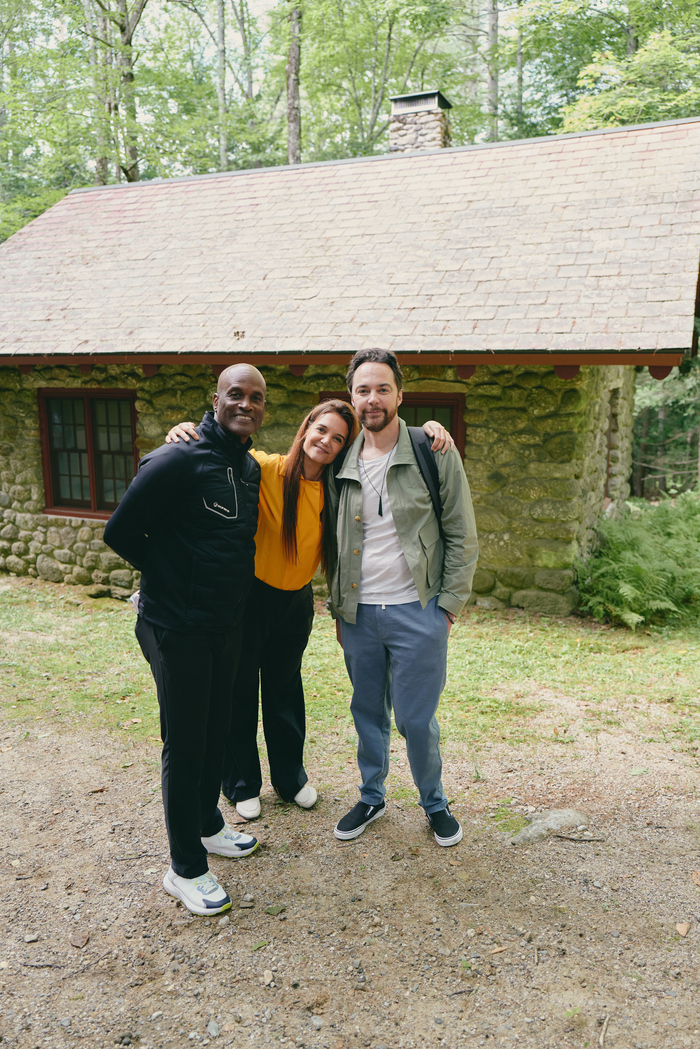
[[404, 454], [226, 441]]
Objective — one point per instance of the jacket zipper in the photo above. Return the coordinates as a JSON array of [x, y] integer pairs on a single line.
[[233, 485]]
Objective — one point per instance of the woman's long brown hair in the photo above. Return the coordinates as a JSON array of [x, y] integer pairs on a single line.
[[294, 473]]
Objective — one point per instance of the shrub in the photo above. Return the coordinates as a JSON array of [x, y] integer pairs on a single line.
[[647, 567]]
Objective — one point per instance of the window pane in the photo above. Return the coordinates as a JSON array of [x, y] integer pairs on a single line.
[[417, 414], [114, 450], [67, 443]]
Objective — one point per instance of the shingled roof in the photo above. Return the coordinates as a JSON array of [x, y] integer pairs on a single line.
[[577, 244]]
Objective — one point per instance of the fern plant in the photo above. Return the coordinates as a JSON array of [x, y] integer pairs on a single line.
[[647, 566]]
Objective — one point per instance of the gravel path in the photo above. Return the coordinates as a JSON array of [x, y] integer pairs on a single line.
[[385, 941]]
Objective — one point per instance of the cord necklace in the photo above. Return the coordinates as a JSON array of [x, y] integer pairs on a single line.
[[381, 486]]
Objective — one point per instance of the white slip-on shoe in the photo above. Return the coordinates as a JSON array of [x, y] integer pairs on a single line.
[[229, 842], [307, 797], [248, 809], [201, 895]]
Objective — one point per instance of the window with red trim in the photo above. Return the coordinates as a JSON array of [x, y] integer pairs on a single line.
[[88, 449], [419, 408]]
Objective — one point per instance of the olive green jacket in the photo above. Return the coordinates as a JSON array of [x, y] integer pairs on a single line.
[[443, 568]]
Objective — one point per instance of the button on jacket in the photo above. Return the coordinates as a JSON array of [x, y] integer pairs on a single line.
[[439, 568], [187, 523]]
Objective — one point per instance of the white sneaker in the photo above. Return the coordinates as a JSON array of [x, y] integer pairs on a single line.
[[248, 809], [307, 797], [201, 895], [229, 842]]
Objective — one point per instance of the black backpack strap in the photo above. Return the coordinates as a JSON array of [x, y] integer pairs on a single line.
[[428, 468]]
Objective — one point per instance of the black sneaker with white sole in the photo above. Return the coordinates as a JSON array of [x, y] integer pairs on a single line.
[[446, 829], [352, 825]]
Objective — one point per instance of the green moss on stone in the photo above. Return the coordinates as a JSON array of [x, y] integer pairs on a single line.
[[489, 520], [483, 581], [542, 402], [564, 447], [545, 602], [516, 578], [550, 553], [556, 509], [555, 579]]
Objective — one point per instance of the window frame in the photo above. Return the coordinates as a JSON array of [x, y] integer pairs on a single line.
[[456, 401], [87, 395]]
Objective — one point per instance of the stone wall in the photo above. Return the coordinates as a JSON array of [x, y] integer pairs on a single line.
[[536, 457]]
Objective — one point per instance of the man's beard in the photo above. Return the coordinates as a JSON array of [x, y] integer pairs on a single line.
[[378, 424]]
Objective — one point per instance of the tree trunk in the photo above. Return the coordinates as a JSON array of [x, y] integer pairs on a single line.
[[639, 468], [492, 68], [127, 22], [97, 30], [660, 468], [632, 39], [221, 84], [519, 76], [241, 13], [293, 104]]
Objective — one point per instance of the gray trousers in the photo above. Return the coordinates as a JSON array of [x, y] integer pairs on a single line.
[[396, 656]]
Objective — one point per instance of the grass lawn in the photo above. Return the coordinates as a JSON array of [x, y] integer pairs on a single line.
[[66, 657]]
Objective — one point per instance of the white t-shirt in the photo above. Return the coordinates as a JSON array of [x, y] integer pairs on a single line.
[[385, 577]]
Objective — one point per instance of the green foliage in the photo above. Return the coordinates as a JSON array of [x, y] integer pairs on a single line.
[[666, 426], [589, 64], [661, 81], [647, 569], [23, 208], [355, 55], [86, 96]]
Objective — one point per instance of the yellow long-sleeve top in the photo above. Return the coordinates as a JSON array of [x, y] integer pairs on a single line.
[[271, 565]]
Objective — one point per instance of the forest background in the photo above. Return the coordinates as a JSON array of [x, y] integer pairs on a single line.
[[105, 91]]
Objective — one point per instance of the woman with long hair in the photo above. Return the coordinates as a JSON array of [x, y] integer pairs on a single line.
[[295, 534]]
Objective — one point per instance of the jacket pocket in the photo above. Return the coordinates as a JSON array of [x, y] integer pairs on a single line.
[[224, 502]]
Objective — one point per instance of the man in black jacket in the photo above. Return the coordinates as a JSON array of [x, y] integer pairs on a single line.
[[187, 523]]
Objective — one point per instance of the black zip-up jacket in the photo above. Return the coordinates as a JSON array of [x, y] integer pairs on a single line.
[[187, 522]]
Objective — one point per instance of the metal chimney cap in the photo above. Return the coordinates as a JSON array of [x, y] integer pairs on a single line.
[[418, 101]]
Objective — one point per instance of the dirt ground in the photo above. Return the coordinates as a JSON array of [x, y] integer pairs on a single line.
[[387, 941]]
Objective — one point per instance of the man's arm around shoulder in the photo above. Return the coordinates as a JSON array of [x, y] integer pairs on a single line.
[[459, 533]]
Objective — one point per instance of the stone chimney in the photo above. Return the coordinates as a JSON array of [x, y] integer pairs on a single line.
[[419, 122]]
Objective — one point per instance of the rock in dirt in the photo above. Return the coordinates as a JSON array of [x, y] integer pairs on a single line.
[[97, 590], [213, 1028], [549, 820]]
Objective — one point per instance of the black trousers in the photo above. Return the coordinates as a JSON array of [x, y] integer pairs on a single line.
[[194, 675], [275, 634]]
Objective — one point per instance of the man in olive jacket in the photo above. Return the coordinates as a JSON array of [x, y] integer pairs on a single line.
[[400, 580]]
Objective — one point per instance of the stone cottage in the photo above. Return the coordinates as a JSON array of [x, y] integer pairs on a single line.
[[520, 283]]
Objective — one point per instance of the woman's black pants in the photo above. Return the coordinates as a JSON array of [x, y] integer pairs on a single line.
[[277, 624]]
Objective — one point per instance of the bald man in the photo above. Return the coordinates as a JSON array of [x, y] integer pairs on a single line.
[[187, 523]]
